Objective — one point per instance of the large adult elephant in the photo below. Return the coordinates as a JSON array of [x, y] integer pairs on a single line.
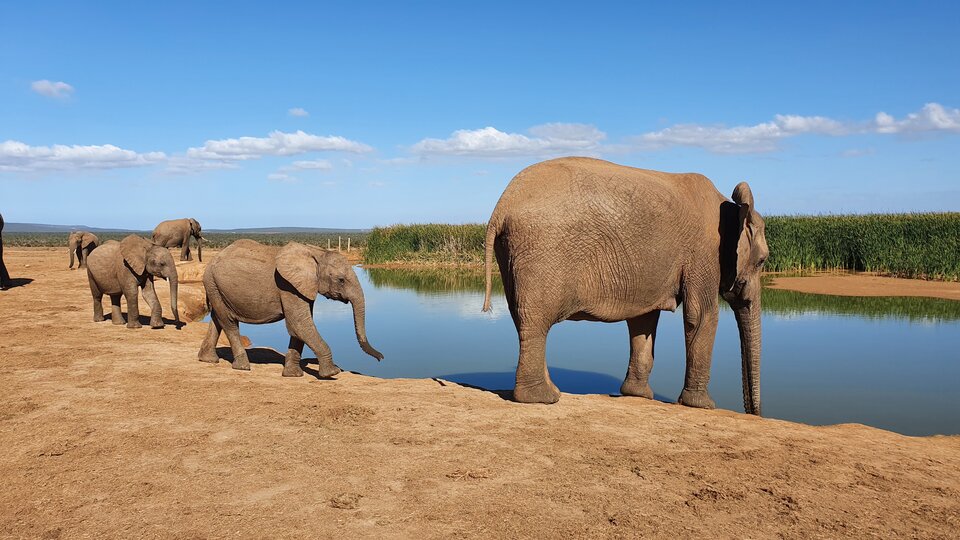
[[80, 244], [122, 269], [254, 283], [5, 282], [585, 239], [177, 233]]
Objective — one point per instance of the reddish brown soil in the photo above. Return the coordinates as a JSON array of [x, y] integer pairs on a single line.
[[109, 432], [865, 284]]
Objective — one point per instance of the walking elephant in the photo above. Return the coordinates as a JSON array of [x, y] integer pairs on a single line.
[[81, 243], [253, 283], [177, 233], [5, 282], [585, 239], [121, 268]]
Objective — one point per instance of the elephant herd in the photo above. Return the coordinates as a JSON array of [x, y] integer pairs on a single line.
[[574, 239]]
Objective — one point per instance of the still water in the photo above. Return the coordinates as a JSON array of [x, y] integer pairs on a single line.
[[892, 363]]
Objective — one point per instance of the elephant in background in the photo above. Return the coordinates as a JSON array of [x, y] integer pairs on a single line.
[[177, 233], [585, 239], [253, 283], [121, 268], [81, 243], [5, 282]]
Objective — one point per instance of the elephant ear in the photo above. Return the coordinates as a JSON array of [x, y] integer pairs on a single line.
[[134, 252], [88, 240], [297, 264], [194, 227], [743, 196]]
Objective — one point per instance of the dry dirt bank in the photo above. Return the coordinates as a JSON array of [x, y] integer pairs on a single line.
[[110, 432], [866, 284]]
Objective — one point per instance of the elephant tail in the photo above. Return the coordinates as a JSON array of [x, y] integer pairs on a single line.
[[493, 229]]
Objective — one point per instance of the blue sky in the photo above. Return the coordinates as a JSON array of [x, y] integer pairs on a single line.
[[357, 114]]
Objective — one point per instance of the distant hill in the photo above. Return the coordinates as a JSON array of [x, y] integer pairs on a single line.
[[45, 228]]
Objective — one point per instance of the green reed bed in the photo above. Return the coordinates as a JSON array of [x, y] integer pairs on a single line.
[[902, 245], [426, 242]]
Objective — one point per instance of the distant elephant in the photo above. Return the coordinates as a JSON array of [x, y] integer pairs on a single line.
[[5, 282], [81, 243], [177, 233], [253, 283], [585, 239], [120, 268]]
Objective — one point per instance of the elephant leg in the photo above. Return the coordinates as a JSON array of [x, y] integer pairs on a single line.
[[97, 302], [700, 328], [115, 316], [156, 310], [208, 349], [82, 256], [185, 251], [231, 327], [132, 294], [533, 384], [643, 335], [298, 316], [291, 362]]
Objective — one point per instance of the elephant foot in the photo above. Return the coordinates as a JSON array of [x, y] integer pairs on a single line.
[[241, 363], [292, 370], [117, 320], [99, 318], [326, 369], [696, 398], [209, 358], [134, 324], [633, 387], [156, 325], [545, 392]]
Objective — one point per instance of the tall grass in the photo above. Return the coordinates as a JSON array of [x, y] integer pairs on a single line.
[[904, 245], [426, 242]]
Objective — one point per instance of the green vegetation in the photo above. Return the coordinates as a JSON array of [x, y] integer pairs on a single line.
[[427, 242], [211, 240], [902, 245]]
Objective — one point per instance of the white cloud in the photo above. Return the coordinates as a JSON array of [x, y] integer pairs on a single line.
[[280, 177], [277, 143], [931, 118], [51, 89], [546, 139], [298, 112], [314, 165], [18, 156]]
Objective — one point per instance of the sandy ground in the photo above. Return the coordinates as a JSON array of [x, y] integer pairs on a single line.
[[866, 284], [109, 432]]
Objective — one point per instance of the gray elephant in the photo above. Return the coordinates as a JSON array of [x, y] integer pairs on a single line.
[[585, 239], [177, 233], [253, 283], [81, 243], [5, 282], [121, 268]]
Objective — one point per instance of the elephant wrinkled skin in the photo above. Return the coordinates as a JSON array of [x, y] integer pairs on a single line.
[[585, 239], [121, 268], [80, 244], [253, 283], [176, 233]]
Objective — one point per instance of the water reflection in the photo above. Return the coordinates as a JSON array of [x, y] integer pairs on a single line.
[[826, 359]]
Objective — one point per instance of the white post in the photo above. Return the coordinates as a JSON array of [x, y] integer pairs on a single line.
[[348, 244], [338, 243]]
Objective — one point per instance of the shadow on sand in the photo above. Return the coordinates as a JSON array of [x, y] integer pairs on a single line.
[[266, 355], [18, 282]]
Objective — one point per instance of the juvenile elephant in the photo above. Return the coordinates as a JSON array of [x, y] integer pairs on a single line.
[[121, 268], [177, 233], [81, 243], [4, 275], [585, 239], [257, 284]]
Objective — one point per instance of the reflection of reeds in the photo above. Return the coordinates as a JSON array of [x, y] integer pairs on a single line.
[[783, 302], [433, 280]]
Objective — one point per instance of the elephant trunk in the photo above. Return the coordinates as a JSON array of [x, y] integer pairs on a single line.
[[72, 249], [748, 321], [172, 279], [199, 248], [359, 325]]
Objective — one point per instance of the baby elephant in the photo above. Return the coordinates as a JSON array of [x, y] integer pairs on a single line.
[[257, 284], [120, 268], [81, 243]]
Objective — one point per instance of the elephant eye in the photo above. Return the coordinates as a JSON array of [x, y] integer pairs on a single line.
[[761, 261], [341, 280]]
